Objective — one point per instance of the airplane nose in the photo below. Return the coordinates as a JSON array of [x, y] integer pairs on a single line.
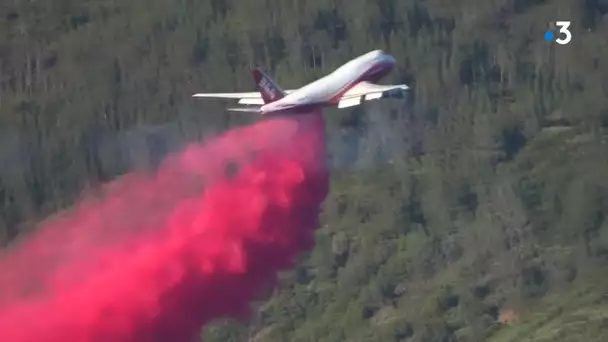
[[381, 54], [388, 58]]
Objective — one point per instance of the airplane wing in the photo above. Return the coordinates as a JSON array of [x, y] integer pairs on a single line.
[[248, 98], [366, 91]]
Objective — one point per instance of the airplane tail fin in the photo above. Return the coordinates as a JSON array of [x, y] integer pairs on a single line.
[[269, 90]]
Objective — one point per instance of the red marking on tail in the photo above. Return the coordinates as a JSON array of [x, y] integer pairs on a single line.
[[269, 90]]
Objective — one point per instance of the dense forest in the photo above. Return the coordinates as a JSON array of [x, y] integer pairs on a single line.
[[477, 211]]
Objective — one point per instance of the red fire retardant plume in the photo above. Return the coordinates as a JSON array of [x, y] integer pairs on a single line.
[[156, 256]]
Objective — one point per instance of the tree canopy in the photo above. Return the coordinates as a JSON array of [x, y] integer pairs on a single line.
[[476, 211]]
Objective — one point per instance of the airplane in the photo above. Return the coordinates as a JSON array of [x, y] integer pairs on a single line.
[[347, 86]]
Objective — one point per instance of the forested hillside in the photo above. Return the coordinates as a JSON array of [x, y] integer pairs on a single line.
[[476, 212]]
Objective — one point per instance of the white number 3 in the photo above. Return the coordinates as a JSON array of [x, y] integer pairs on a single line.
[[564, 25]]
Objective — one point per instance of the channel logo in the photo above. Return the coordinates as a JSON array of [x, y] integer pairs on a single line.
[[564, 35]]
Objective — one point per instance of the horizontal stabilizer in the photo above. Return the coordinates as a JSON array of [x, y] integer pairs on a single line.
[[244, 109], [228, 95], [252, 101]]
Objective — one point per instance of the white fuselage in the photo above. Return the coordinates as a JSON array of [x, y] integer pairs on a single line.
[[327, 90]]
